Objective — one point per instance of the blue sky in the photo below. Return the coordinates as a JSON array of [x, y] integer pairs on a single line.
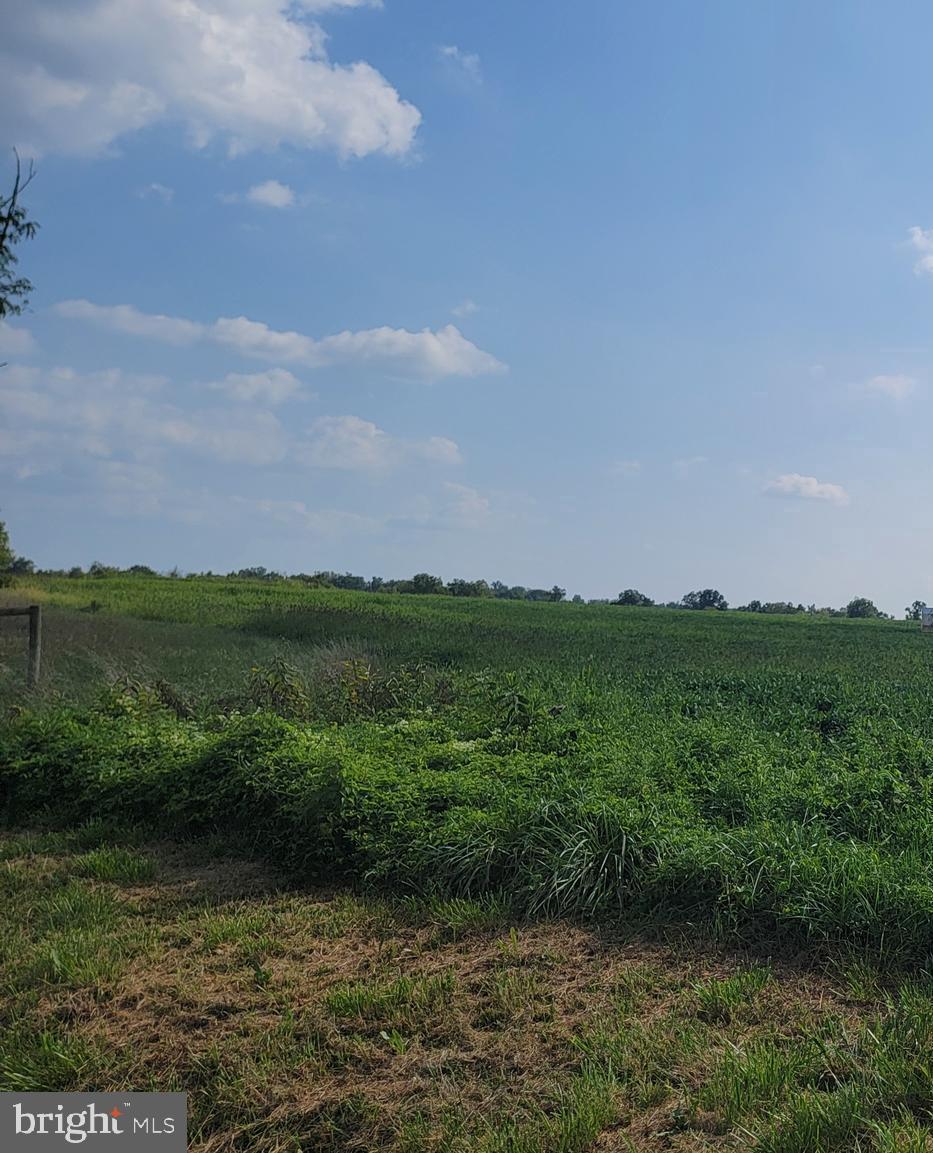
[[605, 295]]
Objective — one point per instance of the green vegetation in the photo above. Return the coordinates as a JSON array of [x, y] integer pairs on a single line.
[[481, 774], [15, 227], [770, 776], [298, 1021]]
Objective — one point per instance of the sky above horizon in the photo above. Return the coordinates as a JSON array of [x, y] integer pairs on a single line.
[[618, 295]]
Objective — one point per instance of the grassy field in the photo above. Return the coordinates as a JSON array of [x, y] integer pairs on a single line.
[[507, 876]]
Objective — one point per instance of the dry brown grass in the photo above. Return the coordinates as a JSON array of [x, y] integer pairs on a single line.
[[317, 1020]]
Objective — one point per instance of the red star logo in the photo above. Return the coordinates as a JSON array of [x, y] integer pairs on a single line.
[[115, 1112]]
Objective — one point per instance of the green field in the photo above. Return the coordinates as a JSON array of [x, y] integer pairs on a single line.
[[616, 878]]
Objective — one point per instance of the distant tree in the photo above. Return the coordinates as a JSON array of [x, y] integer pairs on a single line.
[[22, 566], [633, 597], [915, 612], [463, 588], [705, 599], [75, 572], [557, 593], [312, 580], [862, 608], [6, 550], [141, 570], [576, 599], [423, 582], [538, 595], [345, 580], [15, 226], [253, 573], [508, 592], [375, 584], [97, 569]]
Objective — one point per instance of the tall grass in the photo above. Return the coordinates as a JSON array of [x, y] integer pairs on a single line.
[[773, 776]]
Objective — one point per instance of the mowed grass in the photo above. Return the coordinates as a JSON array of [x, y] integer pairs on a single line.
[[300, 1020]]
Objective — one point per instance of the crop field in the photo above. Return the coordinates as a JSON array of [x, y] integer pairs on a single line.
[[365, 871]]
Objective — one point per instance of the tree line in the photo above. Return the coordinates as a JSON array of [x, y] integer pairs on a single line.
[[858, 608], [427, 584]]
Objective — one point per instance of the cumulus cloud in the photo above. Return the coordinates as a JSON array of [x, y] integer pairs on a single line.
[[922, 241], [15, 341], [268, 194], [159, 191], [898, 386], [76, 77], [467, 63], [465, 308], [56, 416], [315, 7], [126, 319], [274, 386], [348, 442], [426, 355], [271, 194], [297, 514], [799, 487], [466, 504], [112, 413]]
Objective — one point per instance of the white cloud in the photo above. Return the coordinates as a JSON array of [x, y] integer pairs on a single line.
[[274, 386], [112, 414], [898, 386], [624, 468], [427, 355], [466, 504], [160, 191], [348, 442], [686, 464], [922, 241], [295, 513], [15, 341], [794, 485], [271, 194], [253, 338], [59, 418], [126, 319], [315, 7], [466, 62], [439, 449], [76, 77], [255, 438], [465, 308]]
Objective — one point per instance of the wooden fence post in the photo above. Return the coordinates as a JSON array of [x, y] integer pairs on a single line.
[[34, 612], [35, 645]]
